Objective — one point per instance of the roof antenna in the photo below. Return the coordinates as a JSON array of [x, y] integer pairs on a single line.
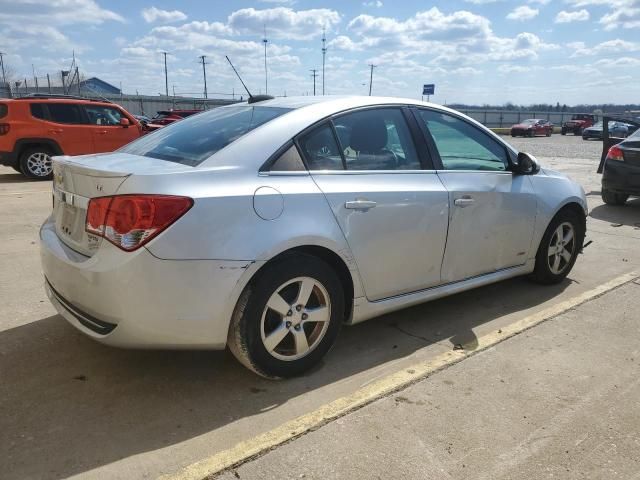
[[252, 98]]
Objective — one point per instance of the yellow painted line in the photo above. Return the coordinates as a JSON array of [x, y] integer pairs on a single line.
[[260, 444]]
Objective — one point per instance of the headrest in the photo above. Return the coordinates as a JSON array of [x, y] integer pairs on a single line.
[[369, 133]]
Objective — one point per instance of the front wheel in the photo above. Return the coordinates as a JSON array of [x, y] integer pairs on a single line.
[[559, 248], [36, 163], [288, 318], [612, 198]]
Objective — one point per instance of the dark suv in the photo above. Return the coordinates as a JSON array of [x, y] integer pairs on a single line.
[[620, 168]]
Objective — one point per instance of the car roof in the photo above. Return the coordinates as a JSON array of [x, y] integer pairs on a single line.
[[60, 100]]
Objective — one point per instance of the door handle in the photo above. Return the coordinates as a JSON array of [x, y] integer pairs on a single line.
[[464, 202], [101, 132], [360, 204]]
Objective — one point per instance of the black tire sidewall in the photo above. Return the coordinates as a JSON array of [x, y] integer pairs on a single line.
[[298, 265], [22, 164], [542, 273]]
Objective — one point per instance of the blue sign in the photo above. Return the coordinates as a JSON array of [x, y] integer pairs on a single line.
[[429, 89]]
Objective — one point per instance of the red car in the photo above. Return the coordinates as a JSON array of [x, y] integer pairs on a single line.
[[532, 127]]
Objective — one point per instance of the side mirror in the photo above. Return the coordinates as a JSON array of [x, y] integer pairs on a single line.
[[527, 164], [124, 122]]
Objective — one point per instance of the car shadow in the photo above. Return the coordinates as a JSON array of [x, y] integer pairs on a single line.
[[71, 405], [627, 214], [15, 177]]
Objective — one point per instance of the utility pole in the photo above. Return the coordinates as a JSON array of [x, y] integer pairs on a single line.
[[166, 77], [324, 54], [371, 77], [35, 79], [48, 83], [265, 41], [204, 73], [4, 79], [314, 74]]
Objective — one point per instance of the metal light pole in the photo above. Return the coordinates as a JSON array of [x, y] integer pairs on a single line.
[[166, 77], [324, 54], [371, 77], [265, 41], [314, 74], [204, 74]]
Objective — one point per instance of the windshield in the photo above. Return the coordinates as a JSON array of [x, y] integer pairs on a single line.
[[193, 140], [530, 121]]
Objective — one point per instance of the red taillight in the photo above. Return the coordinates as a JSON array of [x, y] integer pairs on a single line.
[[130, 221], [4, 128], [615, 153]]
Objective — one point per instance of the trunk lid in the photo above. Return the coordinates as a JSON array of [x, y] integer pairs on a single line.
[[76, 180]]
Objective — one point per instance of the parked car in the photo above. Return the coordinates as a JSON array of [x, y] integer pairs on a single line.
[[616, 129], [578, 123], [165, 117], [621, 171], [266, 226], [34, 128], [532, 127]]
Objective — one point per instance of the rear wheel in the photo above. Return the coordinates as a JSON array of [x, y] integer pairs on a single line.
[[563, 132], [288, 318], [35, 162], [612, 198], [559, 248]]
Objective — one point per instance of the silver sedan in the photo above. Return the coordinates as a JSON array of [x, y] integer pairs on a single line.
[[265, 226]]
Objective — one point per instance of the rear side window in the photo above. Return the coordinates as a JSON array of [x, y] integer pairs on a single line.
[[65, 113], [320, 149], [37, 111], [105, 116], [3, 110], [192, 140]]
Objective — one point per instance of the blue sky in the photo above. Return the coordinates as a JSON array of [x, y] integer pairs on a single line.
[[475, 51]]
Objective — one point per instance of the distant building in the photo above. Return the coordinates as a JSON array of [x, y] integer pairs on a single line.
[[99, 86], [90, 87]]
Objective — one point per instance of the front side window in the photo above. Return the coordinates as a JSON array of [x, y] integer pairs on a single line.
[[192, 140], [376, 139], [105, 116], [65, 113], [463, 146], [37, 111]]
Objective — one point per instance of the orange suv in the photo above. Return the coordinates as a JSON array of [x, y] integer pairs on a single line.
[[34, 128]]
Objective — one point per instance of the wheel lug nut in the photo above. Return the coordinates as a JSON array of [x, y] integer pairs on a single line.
[[289, 313], [297, 327], [298, 308], [305, 316], [288, 324]]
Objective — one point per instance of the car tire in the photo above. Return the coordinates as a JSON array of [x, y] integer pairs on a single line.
[[255, 320], [530, 134], [35, 163], [563, 132], [549, 132], [578, 132], [613, 198], [552, 264]]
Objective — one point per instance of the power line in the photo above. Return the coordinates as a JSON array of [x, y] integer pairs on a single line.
[[371, 77], [314, 74], [324, 54], [204, 73], [265, 41], [166, 77]]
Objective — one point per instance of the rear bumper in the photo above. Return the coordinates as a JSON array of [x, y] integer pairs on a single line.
[[620, 177], [7, 158], [137, 300]]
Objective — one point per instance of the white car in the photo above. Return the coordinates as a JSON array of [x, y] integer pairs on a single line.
[[265, 226]]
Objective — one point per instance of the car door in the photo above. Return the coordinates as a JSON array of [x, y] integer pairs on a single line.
[[108, 134], [392, 212], [492, 211], [67, 125]]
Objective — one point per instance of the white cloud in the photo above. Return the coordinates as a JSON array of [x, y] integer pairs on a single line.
[[621, 14], [282, 22], [373, 3], [153, 14], [568, 17], [523, 13], [482, 2], [56, 12], [621, 62], [616, 46]]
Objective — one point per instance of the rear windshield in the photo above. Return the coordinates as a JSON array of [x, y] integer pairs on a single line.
[[3, 110], [193, 140]]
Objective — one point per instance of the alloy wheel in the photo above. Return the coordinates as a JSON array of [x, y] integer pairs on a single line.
[[39, 164], [561, 248], [295, 318]]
